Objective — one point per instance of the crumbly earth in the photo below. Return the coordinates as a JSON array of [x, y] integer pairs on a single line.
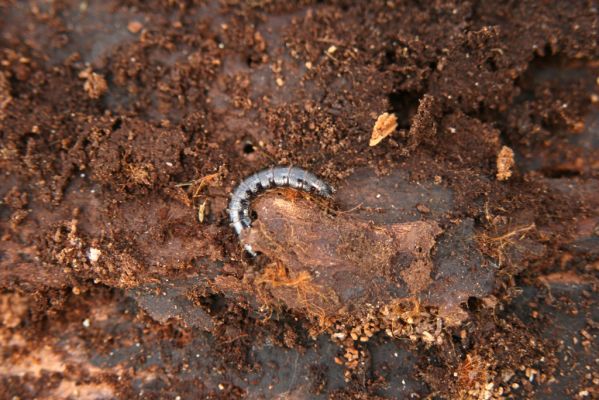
[[125, 124]]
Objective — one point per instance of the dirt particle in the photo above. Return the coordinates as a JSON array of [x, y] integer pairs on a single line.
[[16, 199], [505, 162], [383, 127], [134, 26], [94, 254], [13, 308], [95, 85], [5, 97], [139, 174], [423, 208]]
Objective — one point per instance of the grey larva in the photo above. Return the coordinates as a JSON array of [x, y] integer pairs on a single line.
[[239, 206]]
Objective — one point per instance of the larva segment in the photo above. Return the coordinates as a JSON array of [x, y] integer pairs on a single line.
[[253, 182], [267, 178], [235, 210], [297, 178], [281, 176]]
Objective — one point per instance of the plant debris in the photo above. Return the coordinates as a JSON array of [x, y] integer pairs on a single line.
[[351, 264], [385, 125], [505, 163]]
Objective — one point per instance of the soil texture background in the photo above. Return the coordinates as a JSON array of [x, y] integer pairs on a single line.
[[125, 125]]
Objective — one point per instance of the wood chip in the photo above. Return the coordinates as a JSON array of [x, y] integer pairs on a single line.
[[383, 127], [505, 162], [202, 211]]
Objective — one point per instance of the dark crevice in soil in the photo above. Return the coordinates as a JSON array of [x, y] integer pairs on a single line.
[[404, 105]]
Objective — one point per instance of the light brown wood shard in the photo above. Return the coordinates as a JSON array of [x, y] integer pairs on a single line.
[[383, 127]]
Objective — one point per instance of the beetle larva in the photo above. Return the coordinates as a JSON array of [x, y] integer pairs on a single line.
[[297, 178]]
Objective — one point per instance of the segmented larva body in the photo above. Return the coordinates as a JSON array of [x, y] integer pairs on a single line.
[[297, 178]]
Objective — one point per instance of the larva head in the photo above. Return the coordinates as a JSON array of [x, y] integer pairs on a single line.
[[322, 188]]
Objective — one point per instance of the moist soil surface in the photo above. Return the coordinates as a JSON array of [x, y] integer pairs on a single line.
[[125, 125]]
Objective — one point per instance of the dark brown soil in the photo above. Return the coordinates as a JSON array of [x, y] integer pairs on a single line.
[[459, 270]]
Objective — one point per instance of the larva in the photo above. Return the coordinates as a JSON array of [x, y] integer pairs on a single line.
[[297, 178]]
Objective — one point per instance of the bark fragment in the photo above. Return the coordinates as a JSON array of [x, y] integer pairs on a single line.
[[332, 264]]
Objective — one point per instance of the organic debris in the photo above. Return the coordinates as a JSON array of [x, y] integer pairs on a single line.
[[361, 263], [134, 26], [95, 85], [385, 125], [505, 163]]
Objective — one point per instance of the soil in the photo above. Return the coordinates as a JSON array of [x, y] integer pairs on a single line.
[[458, 258]]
